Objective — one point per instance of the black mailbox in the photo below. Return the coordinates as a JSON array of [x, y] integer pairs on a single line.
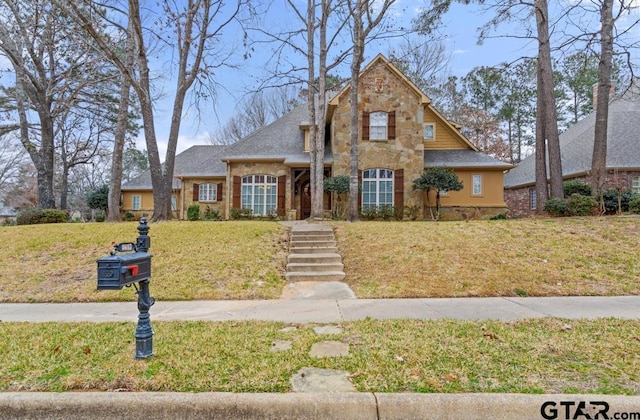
[[118, 270]]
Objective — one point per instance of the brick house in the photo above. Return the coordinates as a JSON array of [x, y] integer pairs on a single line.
[[401, 134], [576, 146]]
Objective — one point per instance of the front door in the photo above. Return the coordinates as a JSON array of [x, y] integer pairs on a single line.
[[305, 199]]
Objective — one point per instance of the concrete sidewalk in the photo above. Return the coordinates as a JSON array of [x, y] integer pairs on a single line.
[[332, 310]]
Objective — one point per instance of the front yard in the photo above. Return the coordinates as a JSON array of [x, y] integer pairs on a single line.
[[246, 260]]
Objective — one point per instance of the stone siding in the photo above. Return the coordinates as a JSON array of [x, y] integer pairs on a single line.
[[382, 90], [219, 205]]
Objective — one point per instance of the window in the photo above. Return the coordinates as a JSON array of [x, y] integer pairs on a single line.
[[635, 184], [174, 203], [533, 199], [477, 185], [377, 188], [208, 192], [378, 126], [429, 131], [259, 193], [136, 202]]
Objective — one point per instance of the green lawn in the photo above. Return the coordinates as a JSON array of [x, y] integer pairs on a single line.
[[246, 260], [531, 356]]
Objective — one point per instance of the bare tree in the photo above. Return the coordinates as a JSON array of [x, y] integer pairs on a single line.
[[12, 156], [426, 62], [547, 136], [55, 69], [195, 34], [256, 111]]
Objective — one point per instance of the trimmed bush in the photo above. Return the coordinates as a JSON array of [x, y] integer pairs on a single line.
[[193, 213], [238, 213], [412, 212], [34, 216], [386, 212], [576, 187], [611, 197], [634, 204], [581, 205], [557, 207], [210, 214], [129, 217], [369, 213]]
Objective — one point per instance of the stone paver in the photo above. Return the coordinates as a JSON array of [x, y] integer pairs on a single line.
[[328, 330], [310, 379], [329, 349], [280, 345]]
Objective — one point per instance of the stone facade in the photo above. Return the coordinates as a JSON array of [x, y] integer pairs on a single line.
[[219, 205]]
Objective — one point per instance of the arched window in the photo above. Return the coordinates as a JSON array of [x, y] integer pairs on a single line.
[[377, 188], [259, 194]]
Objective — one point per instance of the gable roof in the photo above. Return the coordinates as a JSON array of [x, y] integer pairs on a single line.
[[281, 141], [424, 99], [576, 144], [195, 161]]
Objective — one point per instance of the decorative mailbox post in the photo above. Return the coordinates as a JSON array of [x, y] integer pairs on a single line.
[[130, 263]]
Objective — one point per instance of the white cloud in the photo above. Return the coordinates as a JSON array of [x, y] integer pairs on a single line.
[[458, 52]]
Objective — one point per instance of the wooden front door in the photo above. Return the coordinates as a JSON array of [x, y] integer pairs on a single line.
[[305, 199]]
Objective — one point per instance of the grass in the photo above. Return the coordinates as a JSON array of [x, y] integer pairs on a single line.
[[212, 260], [530, 356], [527, 257], [246, 260]]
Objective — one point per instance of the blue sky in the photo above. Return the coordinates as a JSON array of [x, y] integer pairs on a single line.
[[460, 37]]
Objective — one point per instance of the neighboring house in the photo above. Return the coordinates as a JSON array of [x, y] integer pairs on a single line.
[[401, 134], [7, 213], [576, 146]]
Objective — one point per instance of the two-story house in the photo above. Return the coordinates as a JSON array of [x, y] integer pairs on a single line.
[[400, 135]]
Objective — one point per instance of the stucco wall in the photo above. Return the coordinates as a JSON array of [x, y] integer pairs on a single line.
[[146, 203]]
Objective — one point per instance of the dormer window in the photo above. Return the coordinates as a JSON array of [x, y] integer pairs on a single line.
[[378, 126]]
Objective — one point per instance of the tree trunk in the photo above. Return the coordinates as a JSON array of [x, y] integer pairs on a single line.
[[547, 96], [113, 214], [311, 109], [64, 188], [358, 35], [599, 158]]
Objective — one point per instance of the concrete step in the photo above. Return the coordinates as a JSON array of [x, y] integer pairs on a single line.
[[314, 266], [315, 276], [297, 244], [314, 258], [314, 237], [313, 250]]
